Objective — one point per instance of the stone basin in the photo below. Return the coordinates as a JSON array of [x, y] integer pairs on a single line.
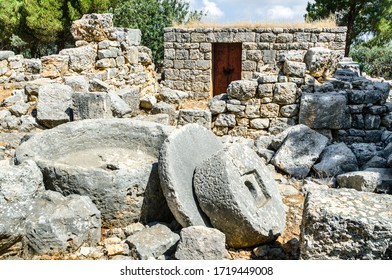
[[113, 161]]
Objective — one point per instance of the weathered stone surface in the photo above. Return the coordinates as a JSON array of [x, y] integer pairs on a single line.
[[91, 105], [239, 195], [131, 95], [54, 66], [118, 106], [148, 102], [54, 104], [285, 93], [28, 123], [242, 89], [364, 152], [376, 162], [32, 87], [360, 180], [165, 108], [346, 224], [321, 62], [201, 243], [128, 36], [299, 151], [201, 117], [173, 96], [20, 183], [113, 161], [97, 85], [152, 242], [4, 55], [385, 174], [93, 27], [225, 120], [294, 69], [19, 109], [324, 111], [217, 104], [62, 224], [334, 160], [185, 149], [77, 83], [81, 59]]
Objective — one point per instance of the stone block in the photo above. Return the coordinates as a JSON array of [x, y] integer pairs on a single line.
[[91, 105], [81, 59], [93, 27], [225, 120], [294, 69], [242, 90], [285, 93], [201, 117]]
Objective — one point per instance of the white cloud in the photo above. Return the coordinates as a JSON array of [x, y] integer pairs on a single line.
[[212, 9], [280, 13]]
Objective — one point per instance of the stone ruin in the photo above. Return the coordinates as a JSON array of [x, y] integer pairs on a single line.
[[98, 161]]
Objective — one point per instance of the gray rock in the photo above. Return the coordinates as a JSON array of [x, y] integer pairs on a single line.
[[385, 174], [285, 93], [185, 149], [217, 104], [225, 120], [148, 102], [364, 152], [173, 96], [77, 83], [62, 224], [131, 96], [28, 123], [9, 122], [278, 125], [32, 87], [324, 111], [54, 104], [201, 243], [346, 224], [130, 36], [6, 54], [239, 195], [294, 69], [91, 105], [158, 118], [165, 108], [359, 180], [201, 117], [119, 106], [334, 160], [16, 97], [242, 89], [152, 242], [93, 27], [96, 85], [20, 183], [376, 162], [19, 109], [82, 58], [321, 62], [299, 151], [113, 161]]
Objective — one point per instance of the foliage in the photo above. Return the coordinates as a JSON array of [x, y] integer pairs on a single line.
[[376, 61], [151, 17], [42, 26], [360, 16]]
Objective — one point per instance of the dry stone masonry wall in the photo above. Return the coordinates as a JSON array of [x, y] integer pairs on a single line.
[[188, 52]]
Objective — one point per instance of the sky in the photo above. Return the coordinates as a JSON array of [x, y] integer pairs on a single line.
[[251, 11]]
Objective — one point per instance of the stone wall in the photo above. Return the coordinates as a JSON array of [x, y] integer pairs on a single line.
[[188, 52]]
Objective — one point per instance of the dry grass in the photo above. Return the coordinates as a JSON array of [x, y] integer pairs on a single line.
[[4, 94], [329, 22]]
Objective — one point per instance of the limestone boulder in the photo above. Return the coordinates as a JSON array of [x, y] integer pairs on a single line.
[[201, 117], [385, 174], [285, 93], [364, 152], [322, 62], [336, 159], [81, 59], [131, 96], [299, 151], [201, 243], [54, 66], [91, 105], [62, 224], [54, 104], [240, 197], [118, 106], [77, 83], [183, 150], [93, 27], [169, 95], [113, 161], [324, 111], [294, 69], [346, 224], [367, 181], [242, 89], [152, 242]]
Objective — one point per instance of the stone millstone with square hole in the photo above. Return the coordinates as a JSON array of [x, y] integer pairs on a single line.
[[238, 193], [181, 152]]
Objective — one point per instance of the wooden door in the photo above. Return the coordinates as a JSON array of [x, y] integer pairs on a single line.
[[227, 64]]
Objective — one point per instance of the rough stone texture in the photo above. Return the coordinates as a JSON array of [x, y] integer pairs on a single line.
[[324, 111], [118, 106], [285, 93], [334, 160], [364, 152], [385, 174], [237, 192], [54, 66], [201, 117], [360, 180], [299, 151], [62, 224], [20, 183], [131, 96], [242, 90], [321, 62], [294, 69], [152, 242], [173, 96], [165, 108], [113, 161], [91, 105], [81, 58], [54, 104], [183, 150], [77, 83], [346, 224], [201, 243], [93, 27]]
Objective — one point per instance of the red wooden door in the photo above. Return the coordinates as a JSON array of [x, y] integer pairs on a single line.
[[226, 65]]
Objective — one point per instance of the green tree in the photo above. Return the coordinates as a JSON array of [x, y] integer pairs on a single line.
[[151, 17], [360, 16], [10, 18]]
